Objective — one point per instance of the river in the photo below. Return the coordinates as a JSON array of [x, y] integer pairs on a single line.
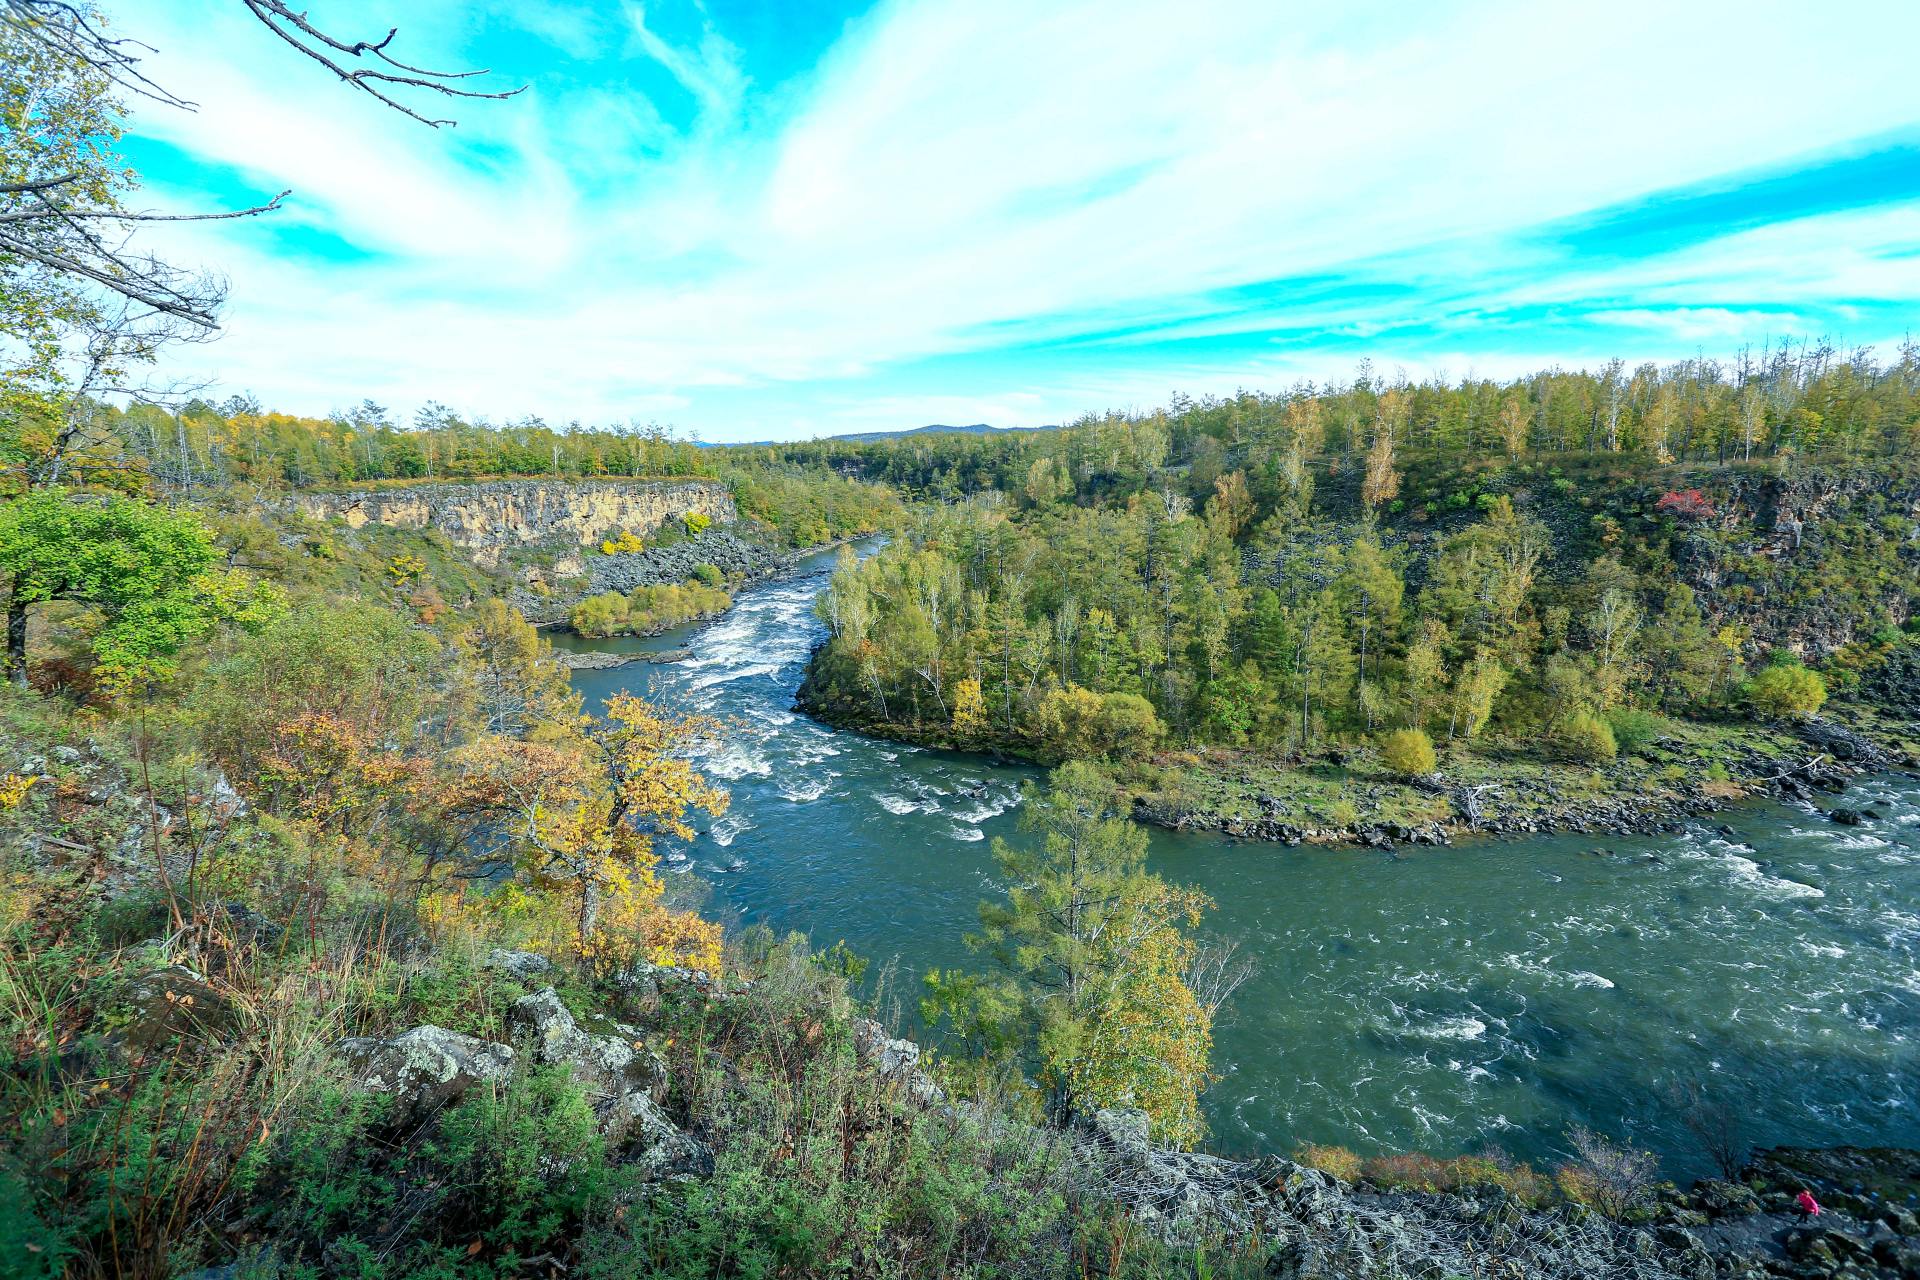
[[1438, 1000]]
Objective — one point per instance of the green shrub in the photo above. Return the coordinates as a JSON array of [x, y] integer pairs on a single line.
[[1408, 752], [1128, 726], [602, 615], [1586, 738], [697, 522], [1787, 689], [648, 609], [708, 575], [1415, 1171], [506, 1172], [1635, 730]]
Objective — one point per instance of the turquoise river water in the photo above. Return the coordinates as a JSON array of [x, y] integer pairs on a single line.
[[1438, 1000]]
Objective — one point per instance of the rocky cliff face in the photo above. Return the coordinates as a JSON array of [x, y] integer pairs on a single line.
[[1811, 561], [489, 516]]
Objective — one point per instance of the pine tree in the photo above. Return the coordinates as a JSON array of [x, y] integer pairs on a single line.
[[1094, 947]]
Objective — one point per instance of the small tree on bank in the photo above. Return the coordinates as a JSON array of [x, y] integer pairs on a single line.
[[1093, 952]]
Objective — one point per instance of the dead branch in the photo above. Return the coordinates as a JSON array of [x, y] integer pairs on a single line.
[[300, 32]]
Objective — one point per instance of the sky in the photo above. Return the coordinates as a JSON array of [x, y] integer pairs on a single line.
[[788, 218]]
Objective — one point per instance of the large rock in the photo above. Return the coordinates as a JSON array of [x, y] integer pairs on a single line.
[[428, 1066], [637, 1129], [895, 1061], [627, 1080], [1122, 1132], [173, 1002], [524, 965], [1722, 1199], [610, 1065]]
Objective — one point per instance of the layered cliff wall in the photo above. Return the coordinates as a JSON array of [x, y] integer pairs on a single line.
[[488, 516]]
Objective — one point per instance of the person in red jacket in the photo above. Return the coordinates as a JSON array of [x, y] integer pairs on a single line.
[[1809, 1207]]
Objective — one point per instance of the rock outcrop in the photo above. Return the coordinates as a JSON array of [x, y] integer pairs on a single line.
[[1317, 1226], [426, 1067], [625, 1080], [610, 1065], [895, 1061], [489, 516]]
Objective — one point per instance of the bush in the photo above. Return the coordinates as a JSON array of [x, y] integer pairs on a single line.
[[601, 615], [697, 522], [1338, 1161], [1635, 730], [1417, 1172], [1587, 738], [1687, 504], [1127, 725], [648, 609], [708, 575], [1618, 1181], [503, 1173], [627, 543], [1408, 752], [1068, 721], [1787, 689]]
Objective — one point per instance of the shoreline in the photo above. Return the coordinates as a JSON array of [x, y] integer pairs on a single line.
[[1494, 797]]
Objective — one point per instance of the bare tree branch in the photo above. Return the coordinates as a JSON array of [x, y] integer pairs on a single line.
[[72, 30], [297, 30], [49, 210]]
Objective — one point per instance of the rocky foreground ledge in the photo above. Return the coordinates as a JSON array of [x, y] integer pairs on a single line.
[[1310, 1223]]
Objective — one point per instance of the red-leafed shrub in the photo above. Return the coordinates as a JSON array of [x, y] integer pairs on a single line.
[[1687, 504]]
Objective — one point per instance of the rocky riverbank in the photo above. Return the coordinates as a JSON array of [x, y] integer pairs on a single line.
[[1346, 797], [739, 560], [1303, 1220], [1698, 771]]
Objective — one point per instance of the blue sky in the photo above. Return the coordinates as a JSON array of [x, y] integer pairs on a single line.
[[757, 220]]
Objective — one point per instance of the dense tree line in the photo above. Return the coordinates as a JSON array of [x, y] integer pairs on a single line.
[[1806, 399], [1107, 603]]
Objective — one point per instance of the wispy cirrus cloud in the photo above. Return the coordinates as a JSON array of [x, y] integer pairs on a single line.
[[770, 222]]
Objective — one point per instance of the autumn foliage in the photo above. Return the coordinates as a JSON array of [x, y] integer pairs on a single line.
[[1686, 504]]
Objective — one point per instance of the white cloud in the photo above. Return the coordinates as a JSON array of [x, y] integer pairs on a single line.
[[960, 165]]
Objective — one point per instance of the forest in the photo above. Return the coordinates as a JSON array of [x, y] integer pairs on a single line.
[[1362, 568], [335, 935]]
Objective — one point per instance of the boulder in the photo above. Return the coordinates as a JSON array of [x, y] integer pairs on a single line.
[[896, 1061], [524, 965], [637, 1129], [1719, 1199], [1846, 817], [610, 1065], [1122, 1133], [173, 1002], [428, 1066]]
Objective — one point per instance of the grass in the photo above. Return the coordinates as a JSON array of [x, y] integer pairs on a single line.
[[144, 1137]]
